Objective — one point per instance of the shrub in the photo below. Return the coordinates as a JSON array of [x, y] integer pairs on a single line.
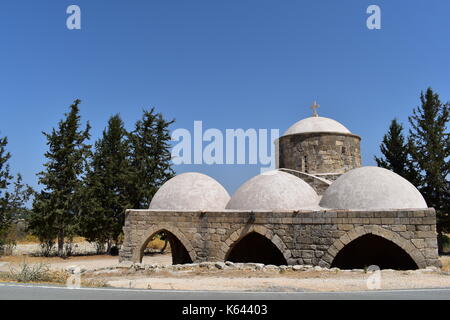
[[40, 272], [31, 273]]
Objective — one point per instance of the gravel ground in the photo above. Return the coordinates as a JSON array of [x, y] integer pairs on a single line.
[[103, 268], [86, 262], [269, 280], [300, 282]]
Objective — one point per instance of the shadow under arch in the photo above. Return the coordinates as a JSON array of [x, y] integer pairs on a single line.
[[180, 253], [255, 248], [357, 232], [371, 249]]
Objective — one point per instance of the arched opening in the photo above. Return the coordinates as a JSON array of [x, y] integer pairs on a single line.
[[256, 248], [158, 244], [371, 249], [180, 255]]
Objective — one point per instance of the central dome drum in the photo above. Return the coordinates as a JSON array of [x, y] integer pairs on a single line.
[[319, 146]]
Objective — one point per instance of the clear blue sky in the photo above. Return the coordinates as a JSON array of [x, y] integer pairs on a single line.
[[232, 64]]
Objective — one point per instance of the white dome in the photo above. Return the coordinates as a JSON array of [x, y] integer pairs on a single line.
[[370, 188], [316, 124], [190, 191], [274, 190]]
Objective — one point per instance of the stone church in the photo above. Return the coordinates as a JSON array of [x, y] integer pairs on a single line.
[[320, 207]]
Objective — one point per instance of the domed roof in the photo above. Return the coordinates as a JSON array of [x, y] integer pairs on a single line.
[[316, 124], [274, 190], [372, 188], [190, 191]]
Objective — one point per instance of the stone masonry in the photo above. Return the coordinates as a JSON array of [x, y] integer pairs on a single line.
[[303, 237], [319, 152]]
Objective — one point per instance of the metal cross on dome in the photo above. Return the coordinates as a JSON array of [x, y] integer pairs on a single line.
[[314, 109]]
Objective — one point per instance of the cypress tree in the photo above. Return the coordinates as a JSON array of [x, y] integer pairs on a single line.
[[107, 187], [150, 157], [396, 153], [20, 194], [5, 177], [54, 209], [13, 194], [430, 149], [41, 221]]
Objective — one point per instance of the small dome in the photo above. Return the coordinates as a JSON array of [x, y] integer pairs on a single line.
[[316, 124], [370, 188], [274, 190], [190, 191]]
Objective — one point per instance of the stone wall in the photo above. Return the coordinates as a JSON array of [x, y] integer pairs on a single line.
[[322, 152], [310, 237]]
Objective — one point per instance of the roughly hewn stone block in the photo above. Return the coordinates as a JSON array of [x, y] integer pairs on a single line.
[[398, 228], [419, 243]]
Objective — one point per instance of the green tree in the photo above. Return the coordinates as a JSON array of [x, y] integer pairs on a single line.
[[430, 150], [41, 221], [5, 180], [395, 152], [107, 187], [20, 194], [56, 206], [13, 195], [150, 157]]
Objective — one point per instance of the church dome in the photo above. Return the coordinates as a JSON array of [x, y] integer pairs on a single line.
[[274, 190], [370, 188], [190, 191], [316, 124]]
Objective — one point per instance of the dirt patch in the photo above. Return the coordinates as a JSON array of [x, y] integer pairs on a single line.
[[445, 260], [271, 281], [90, 262], [104, 269]]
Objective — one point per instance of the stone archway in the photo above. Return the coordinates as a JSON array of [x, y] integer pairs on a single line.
[[182, 249], [238, 235], [255, 248], [371, 249], [346, 239]]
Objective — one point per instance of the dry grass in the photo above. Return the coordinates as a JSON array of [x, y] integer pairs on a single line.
[[50, 260], [91, 283], [445, 263], [158, 244], [34, 273], [50, 277], [30, 239]]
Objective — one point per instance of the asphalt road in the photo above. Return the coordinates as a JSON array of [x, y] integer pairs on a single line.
[[39, 292]]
